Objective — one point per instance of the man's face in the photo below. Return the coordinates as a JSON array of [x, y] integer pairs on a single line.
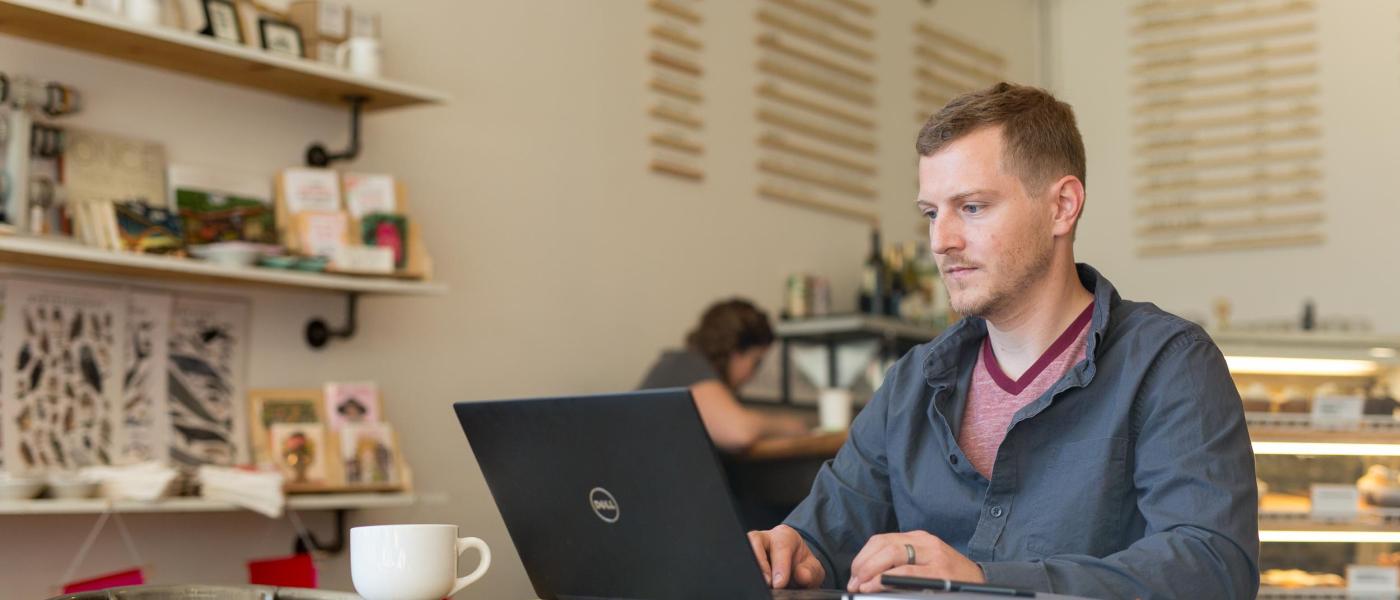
[[990, 238]]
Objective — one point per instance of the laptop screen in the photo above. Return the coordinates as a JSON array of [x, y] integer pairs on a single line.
[[613, 496]]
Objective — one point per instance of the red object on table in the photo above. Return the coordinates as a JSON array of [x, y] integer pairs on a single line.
[[296, 570], [109, 580]]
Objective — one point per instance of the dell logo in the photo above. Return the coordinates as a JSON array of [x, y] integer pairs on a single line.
[[603, 505]]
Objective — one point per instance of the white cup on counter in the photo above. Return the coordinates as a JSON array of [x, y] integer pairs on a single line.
[[834, 409], [411, 562], [362, 56]]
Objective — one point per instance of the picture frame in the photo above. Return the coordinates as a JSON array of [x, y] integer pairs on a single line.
[[221, 21], [370, 456], [267, 407], [281, 37], [350, 403], [306, 456]]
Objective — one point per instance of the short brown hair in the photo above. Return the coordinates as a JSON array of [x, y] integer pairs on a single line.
[[727, 327], [1042, 142]]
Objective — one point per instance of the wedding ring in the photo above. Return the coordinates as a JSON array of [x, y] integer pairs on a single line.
[[909, 554]]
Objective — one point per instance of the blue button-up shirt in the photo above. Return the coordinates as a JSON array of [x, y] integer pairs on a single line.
[[1132, 477]]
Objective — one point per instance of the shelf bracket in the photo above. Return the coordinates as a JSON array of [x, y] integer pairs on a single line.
[[318, 333], [318, 156], [332, 547]]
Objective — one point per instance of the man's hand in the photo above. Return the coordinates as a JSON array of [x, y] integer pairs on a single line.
[[784, 558], [887, 554]]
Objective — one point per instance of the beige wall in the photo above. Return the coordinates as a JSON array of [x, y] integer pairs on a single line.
[[570, 266], [1351, 274]]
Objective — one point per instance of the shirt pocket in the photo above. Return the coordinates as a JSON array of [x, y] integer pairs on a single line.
[[1078, 496]]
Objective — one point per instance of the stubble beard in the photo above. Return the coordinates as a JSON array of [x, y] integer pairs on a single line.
[[1029, 264]]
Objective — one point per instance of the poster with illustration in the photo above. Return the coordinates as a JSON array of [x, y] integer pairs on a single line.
[[352, 402], [299, 450], [207, 367], [369, 455], [61, 381], [145, 403]]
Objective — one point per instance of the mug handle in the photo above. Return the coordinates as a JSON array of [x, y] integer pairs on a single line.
[[462, 545]]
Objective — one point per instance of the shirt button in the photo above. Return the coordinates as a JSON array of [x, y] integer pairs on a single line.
[[953, 458], [996, 512]]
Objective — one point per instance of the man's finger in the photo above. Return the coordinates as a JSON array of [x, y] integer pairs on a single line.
[[780, 558], [859, 570], [759, 542], [884, 558]]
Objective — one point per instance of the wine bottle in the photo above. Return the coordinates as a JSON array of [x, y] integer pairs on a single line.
[[872, 278]]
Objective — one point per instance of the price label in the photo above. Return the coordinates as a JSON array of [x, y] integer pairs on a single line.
[[1337, 411], [1367, 578], [1334, 502]]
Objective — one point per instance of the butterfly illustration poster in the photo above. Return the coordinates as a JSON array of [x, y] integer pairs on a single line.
[[60, 383], [207, 368], [145, 409]]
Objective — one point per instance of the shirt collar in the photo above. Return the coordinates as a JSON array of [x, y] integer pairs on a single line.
[[944, 353]]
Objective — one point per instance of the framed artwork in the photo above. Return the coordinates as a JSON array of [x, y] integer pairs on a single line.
[[352, 403], [369, 455], [208, 361], [301, 453], [221, 21], [280, 37], [268, 407], [60, 385], [145, 405]]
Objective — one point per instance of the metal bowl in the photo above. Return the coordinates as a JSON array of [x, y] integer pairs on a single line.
[[208, 592]]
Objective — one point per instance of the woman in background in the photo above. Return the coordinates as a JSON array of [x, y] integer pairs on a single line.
[[722, 354]]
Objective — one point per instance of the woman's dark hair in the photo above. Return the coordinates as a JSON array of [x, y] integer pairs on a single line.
[[729, 326]]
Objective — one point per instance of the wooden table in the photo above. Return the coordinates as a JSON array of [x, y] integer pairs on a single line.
[[821, 445]]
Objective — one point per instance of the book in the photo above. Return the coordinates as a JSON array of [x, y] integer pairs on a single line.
[[387, 230], [145, 228]]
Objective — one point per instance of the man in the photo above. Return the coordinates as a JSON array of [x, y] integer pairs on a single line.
[[1058, 438]]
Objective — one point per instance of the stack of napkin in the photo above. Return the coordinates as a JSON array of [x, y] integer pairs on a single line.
[[146, 481], [258, 491]]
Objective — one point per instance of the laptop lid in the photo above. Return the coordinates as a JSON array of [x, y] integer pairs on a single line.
[[613, 496]]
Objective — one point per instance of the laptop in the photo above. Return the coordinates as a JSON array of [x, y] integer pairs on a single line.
[[616, 496]]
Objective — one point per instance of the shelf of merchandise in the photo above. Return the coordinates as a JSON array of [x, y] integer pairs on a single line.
[[1310, 342], [342, 501], [1290, 519], [113, 36], [853, 325], [70, 256]]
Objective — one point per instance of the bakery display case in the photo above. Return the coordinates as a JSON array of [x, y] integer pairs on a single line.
[[1323, 419]]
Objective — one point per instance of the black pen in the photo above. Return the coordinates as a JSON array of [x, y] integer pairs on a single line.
[[948, 585]]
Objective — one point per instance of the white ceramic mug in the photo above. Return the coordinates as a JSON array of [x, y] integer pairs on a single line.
[[360, 55], [411, 562]]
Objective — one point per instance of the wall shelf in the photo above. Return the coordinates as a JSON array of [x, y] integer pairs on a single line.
[[70, 256], [112, 36], [195, 505]]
